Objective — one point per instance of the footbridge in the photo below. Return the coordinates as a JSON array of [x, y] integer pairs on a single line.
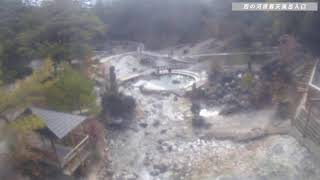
[[186, 59], [169, 68]]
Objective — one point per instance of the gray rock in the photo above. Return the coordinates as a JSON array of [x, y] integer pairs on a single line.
[[131, 177], [278, 149], [162, 168], [156, 124], [163, 131], [143, 125]]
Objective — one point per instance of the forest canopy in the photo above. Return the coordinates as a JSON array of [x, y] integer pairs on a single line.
[[62, 29]]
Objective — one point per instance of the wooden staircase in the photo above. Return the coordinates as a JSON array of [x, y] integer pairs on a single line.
[[76, 156], [308, 128]]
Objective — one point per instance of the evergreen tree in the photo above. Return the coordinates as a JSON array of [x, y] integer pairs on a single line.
[[71, 91]]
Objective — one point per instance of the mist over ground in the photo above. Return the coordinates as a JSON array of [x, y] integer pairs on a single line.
[[169, 22]]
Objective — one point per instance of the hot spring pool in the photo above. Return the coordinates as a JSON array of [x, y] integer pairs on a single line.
[[168, 82]]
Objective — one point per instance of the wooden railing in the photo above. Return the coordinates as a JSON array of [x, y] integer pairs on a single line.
[[313, 77], [176, 66], [76, 151]]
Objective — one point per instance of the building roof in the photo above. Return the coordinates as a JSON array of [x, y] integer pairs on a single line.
[[59, 123]]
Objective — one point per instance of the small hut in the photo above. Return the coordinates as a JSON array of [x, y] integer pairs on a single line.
[[64, 142]]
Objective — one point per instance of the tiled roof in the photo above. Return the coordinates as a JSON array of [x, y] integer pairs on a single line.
[[58, 122]]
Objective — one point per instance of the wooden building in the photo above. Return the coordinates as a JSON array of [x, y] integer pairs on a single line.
[[64, 142]]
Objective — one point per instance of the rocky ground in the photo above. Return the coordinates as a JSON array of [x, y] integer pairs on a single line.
[[162, 144]]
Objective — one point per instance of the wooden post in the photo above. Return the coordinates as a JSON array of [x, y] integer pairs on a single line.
[[43, 140], [308, 119], [79, 105], [53, 146], [73, 142], [250, 65]]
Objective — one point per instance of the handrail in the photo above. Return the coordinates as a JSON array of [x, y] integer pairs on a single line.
[[232, 54], [74, 151], [312, 77]]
